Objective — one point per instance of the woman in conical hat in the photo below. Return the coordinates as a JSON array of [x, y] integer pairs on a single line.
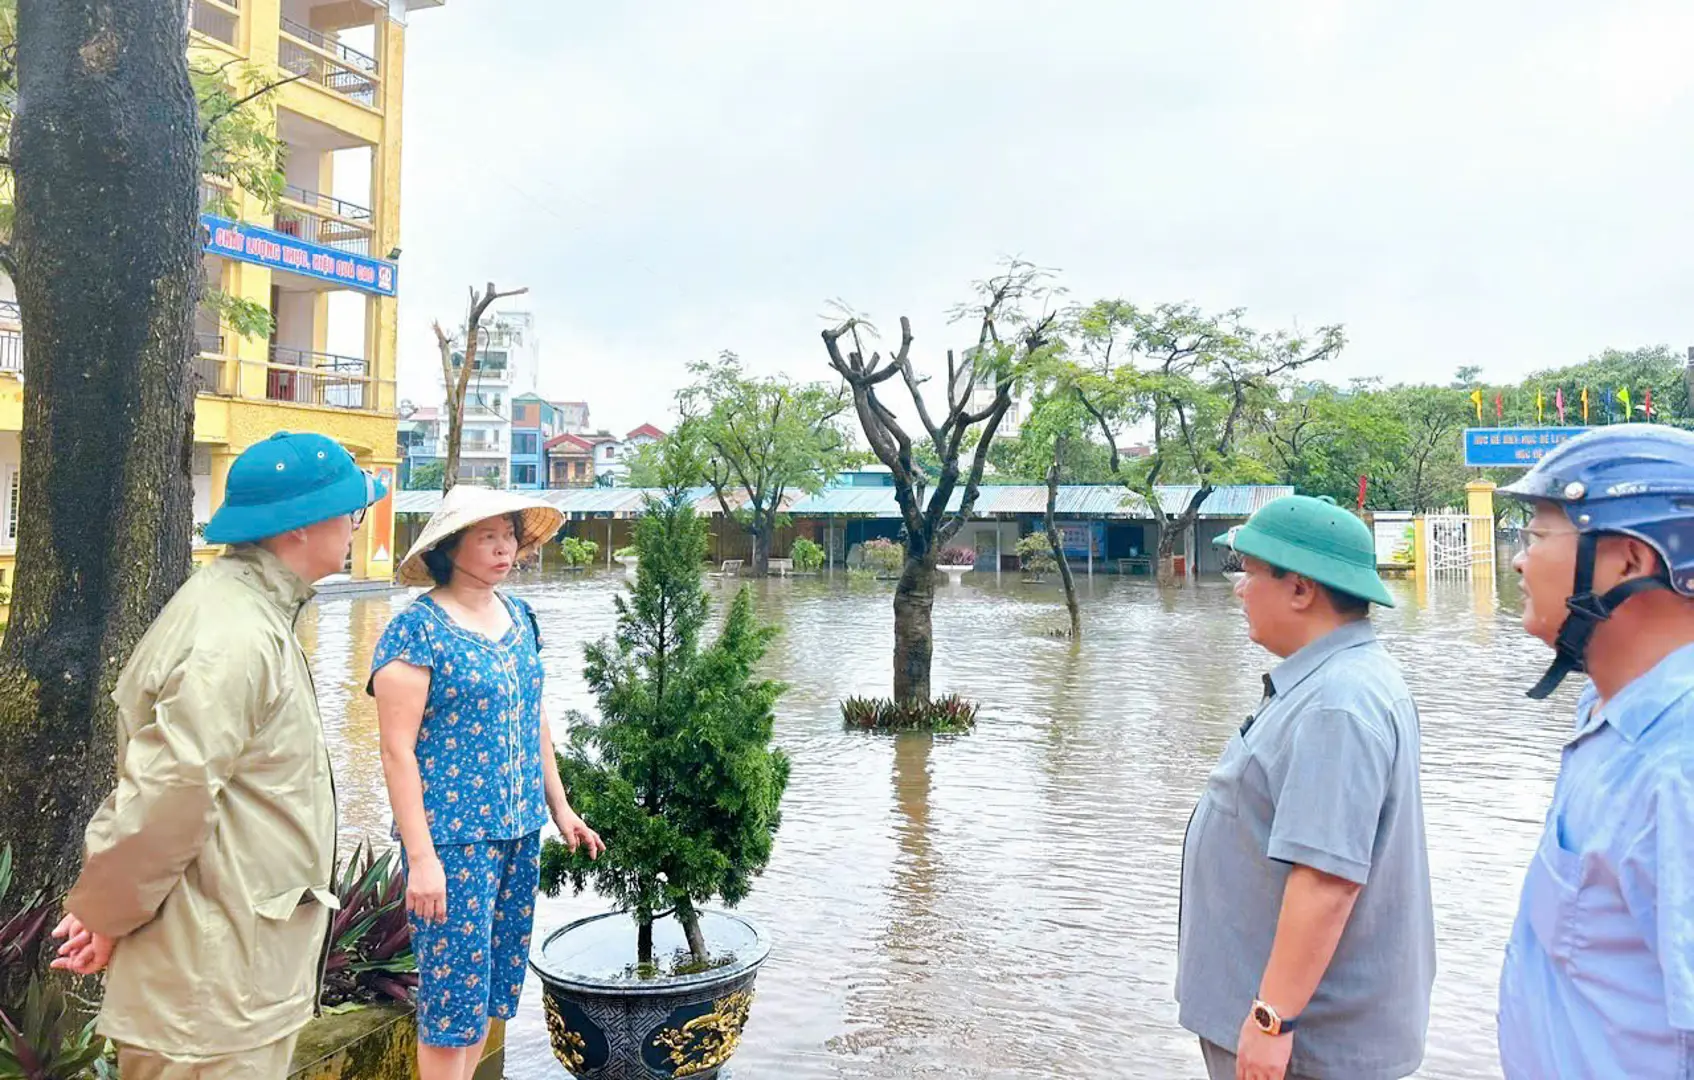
[[468, 756]]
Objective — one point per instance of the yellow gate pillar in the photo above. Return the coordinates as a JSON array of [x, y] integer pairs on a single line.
[[1479, 495]]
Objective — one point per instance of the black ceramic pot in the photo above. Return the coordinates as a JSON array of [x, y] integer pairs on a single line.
[[605, 1024]]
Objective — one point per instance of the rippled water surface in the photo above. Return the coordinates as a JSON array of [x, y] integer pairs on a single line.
[[1004, 904]]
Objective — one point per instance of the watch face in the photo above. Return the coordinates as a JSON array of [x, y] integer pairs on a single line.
[[1262, 1017]]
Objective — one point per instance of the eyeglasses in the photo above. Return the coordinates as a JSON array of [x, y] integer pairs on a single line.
[[1535, 537], [358, 516]]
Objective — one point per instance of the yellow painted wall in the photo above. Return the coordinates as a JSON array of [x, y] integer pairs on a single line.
[[227, 426]]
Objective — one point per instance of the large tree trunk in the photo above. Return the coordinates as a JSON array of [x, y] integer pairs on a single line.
[[106, 151], [1057, 540], [763, 528], [914, 634]]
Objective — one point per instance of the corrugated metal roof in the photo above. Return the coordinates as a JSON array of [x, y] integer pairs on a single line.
[[598, 501], [993, 500], [1232, 501]]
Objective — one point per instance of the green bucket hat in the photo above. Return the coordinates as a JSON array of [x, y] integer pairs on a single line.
[[1316, 539]]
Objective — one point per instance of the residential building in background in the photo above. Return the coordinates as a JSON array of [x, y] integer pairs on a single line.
[[534, 421], [573, 416], [570, 461], [418, 439], [612, 454], [328, 246]]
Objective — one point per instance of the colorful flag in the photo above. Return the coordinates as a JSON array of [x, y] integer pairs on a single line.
[[1623, 396], [1559, 403], [1364, 486], [1499, 406], [1606, 400], [1647, 406], [1585, 405], [1540, 407], [1476, 399]]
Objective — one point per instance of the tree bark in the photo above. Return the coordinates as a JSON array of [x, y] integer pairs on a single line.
[[763, 528], [1057, 540], [914, 633], [458, 383], [690, 919], [107, 149], [643, 938]]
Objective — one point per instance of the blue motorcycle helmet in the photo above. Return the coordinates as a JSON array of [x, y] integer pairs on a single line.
[[1633, 480]]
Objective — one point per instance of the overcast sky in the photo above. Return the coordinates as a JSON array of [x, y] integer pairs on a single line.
[[1506, 184]]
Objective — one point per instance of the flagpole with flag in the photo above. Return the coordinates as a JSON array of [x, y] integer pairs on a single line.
[[1476, 399], [1559, 403], [1585, 405], [1499, 407], [1540, 406], [1647, 406], [1623, 398]]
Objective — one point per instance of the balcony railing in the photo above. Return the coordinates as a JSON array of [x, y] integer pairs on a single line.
[[9, 313], [349, 56], [217, 19], [327, 72], [313, 378], [317, 228], [11, 351], [480, 446], [329, 204]]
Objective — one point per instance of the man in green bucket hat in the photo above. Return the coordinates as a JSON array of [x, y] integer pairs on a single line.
[[206, 881], [1306, 940]]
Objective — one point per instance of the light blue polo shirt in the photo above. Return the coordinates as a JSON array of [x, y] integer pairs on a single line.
[[1599, 973], [1325, 775]]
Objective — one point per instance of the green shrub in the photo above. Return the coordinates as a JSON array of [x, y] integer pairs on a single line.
[[807, 556], [944, 715], [677, 774], [884, 557], [578, 552], [1035, 551]]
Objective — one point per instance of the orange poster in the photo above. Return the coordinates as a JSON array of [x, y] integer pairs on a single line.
[[381, 519]]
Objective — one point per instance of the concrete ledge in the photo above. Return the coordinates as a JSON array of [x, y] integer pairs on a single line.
[[378, 1043]]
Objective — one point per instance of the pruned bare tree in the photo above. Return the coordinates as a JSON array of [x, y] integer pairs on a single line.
[[456, 382], [1016, 325]]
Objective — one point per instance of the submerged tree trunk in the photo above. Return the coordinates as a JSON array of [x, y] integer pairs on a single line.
[[763, 529], [914, 634], [1057, 540], [106, 146]]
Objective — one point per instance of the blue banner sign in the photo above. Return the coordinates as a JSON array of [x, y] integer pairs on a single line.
[[254, 244], [1519, 447]]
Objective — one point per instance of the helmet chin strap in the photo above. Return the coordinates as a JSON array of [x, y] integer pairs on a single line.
[[476, 577], [1586, 612]]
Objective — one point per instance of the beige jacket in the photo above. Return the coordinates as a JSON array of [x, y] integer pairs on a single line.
[[212, 861]]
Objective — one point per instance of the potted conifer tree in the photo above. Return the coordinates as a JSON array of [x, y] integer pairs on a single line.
[[679, 777]]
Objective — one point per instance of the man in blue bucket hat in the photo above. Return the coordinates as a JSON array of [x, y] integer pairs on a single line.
[[1306, 939], [1599, 971], [206, 883]]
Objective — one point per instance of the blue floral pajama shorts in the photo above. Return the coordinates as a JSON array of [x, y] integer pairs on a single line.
[[472, 966]]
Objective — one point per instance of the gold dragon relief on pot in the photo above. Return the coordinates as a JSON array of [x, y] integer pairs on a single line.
[[707, 1041], [568, 1045]]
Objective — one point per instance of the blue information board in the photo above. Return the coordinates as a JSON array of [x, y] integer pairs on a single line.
[[1519, 447], [254, 244]]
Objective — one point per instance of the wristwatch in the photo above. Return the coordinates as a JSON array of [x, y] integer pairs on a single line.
[[1268, 1021]]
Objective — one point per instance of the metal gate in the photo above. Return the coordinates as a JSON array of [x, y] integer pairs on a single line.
[[1458, 544]]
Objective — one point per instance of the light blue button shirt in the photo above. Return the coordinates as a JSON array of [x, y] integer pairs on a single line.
[[1599, 974]]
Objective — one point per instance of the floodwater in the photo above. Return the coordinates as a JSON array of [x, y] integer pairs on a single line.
[[1003, 904]]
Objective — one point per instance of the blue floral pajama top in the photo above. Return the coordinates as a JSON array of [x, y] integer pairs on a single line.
[[479, 747], [480, 759]]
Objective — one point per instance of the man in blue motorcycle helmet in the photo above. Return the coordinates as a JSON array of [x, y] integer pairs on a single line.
[[1599, 973]]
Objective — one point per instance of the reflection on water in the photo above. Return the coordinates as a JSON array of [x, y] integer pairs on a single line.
[[1004, 904]]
